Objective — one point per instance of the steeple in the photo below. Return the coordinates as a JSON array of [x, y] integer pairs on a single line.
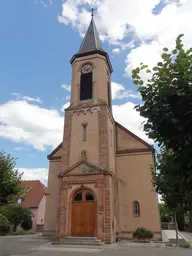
[[91, 44], [91, 41]]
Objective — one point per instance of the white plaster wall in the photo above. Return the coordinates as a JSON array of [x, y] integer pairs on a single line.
[[41, 211]]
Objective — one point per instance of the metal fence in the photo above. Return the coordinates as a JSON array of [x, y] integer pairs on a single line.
[[168, 225]]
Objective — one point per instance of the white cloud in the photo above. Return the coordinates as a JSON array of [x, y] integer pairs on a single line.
[[66, 105], [67, 97], [18, 148], [40, 128], [119, 92], [132, 24], [114, 20], [127, 116], [66, 87], [116, 50], [30, 124], [34, 174], [26, 98], [44, 3], [129, 45]]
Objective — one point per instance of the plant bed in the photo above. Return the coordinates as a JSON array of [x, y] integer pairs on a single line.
[[142, 235], [142, 240], [20, 233]]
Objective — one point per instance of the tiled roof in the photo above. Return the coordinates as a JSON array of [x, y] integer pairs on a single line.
[[34, 192]]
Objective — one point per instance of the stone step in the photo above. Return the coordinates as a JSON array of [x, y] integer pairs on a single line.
[[79, 241], [81, 238]]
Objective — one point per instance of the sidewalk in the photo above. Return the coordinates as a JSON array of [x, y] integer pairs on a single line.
[[188, 236]]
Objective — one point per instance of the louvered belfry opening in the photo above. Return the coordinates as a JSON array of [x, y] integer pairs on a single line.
[[86, 86]]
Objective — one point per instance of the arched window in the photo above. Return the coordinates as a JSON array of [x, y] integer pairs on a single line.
[[83, 195], [78, 196], [86, 83], [136, 209]]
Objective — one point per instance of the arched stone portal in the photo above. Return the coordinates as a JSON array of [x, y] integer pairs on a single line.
[[83, 215]]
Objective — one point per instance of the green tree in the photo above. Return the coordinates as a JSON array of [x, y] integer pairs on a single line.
[[167, 185], [9, 179], [165, 213], [4, 225], [167, 97], [167, 107], [16, 214], [26, 224]]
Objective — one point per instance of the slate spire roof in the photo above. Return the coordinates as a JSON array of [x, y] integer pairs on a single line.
[[91, 41], [91, 44]]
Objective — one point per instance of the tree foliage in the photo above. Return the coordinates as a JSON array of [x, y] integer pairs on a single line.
[[166, 181], [167, 97], [167, 107], [26, 224], [16, 214], [9, 178], [165, 213], [4, 225]]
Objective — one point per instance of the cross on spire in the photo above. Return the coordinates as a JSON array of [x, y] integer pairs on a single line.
[[92, 12]]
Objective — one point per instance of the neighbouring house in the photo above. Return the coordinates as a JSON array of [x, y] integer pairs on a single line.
[[35, 199]]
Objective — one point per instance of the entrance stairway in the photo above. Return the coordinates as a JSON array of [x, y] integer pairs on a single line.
[[91, 241]]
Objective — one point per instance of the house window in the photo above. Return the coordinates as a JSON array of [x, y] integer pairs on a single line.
[[19, 201], [86, 82], [41, 220], [136, 209]]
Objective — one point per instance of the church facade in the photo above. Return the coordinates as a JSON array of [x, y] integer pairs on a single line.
[[99, 180]]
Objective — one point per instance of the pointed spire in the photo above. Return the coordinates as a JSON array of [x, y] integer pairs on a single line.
[[91, 41]]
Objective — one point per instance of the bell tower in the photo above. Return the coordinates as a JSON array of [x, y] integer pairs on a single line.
[[88, 150], [91, 71], [89, 124]]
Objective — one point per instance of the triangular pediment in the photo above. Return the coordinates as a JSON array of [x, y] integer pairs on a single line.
[[84, 167]]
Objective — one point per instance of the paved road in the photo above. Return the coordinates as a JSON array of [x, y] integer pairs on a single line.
[[31, 246]]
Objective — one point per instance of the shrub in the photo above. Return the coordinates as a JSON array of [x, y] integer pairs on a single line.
[[16, 214], [4, 225], [142, 233], [185, 245], [20, 233], [27, 223]]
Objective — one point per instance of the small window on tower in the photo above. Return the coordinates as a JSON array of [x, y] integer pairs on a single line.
[[109, 89], [86, 83], [84, 131]]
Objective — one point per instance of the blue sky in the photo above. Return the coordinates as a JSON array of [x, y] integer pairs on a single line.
[[37, 40]]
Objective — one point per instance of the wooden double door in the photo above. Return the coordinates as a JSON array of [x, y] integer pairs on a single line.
[[83, 214]]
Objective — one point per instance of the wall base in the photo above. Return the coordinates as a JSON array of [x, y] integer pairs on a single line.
[[49, 234], [127, 235]]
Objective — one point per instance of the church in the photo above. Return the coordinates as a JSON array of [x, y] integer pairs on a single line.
[[99, 182]]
